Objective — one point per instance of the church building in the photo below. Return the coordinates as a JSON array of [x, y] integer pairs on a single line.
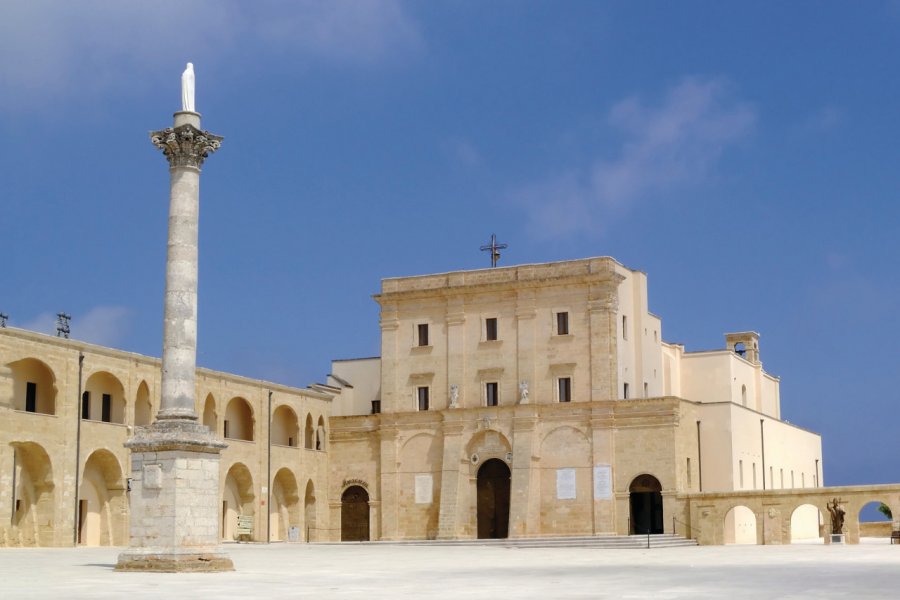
[[524, 401]]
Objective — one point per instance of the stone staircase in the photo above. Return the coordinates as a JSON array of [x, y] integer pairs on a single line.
[[663, 540]]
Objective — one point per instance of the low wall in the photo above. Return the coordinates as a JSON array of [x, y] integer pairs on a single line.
[[875, 529]]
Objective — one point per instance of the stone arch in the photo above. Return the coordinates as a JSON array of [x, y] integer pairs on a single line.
[[239, 422], [285, 427], [33, 495], [486, 444], [355, 514], [739, 525], [238, 499], [321, 437], [210, 416], [806, 523], [646, 506], [284, 511], [103, 398], [872, 522], [33, 386], [309, 434], [418, 464], [101, 501], [143, 408], [309, 511], [566, 481]]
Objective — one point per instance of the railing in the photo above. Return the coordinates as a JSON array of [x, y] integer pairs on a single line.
[[688, 529]]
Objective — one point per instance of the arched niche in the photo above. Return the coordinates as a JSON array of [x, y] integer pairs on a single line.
[[34, 386], [103, 398]]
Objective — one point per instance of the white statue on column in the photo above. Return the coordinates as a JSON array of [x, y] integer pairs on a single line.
[[454, 396], [523, 392], [187, 89]]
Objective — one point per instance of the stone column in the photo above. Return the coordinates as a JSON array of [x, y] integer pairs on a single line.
[[174, 524]]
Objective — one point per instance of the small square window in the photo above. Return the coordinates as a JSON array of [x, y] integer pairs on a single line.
[[562, 323], [491, 393], [490, 329], [376, 407], [422, 397], [422, 331], [565, 389]]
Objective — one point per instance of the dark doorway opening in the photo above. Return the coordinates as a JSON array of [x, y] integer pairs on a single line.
[[355, 515], [646, 505], [493, 499]]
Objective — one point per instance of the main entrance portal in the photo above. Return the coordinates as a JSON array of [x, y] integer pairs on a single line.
[[493, 499], [355, 515], [646, 505]]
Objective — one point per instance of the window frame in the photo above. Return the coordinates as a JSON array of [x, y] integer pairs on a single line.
[[495, 385], [419, 397], [420, 340], [562, 318], [487, 334], [560, 388]]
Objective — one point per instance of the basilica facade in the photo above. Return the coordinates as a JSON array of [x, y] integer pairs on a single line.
[[525, 401]]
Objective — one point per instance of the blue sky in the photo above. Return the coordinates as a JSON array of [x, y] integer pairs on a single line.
[[744, 155]]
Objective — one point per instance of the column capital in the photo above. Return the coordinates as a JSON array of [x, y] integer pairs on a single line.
[[185, 145]]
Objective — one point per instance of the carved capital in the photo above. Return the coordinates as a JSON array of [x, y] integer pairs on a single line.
[[186, 146]]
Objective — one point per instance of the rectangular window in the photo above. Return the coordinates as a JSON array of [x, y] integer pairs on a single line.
[[290, 441], [771, 477], [565, 389], [781, 476], [624, 327], [741, 472], [31, 397], [490, 329], [422, 330], [562, 323], [422, 397], [802, 479], [86, 405], [376, 407], [625, 391], [225, 430], [754, 476], [689, 472], [106, 409], [491, 393], [792, 479], [646, 390]]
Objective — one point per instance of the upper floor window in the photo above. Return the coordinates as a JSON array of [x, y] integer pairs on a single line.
[[624, 327], [491, 393], [564, 387], [490, 329], [422, 397], [562, 323], [376, 407], [422, 334], [625, 391]]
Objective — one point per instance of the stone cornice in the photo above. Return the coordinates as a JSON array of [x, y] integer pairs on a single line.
[[575, 272], [185, 145]]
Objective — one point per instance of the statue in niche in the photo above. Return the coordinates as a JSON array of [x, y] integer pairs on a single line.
[[837, 515], [454, 396], [187, 88], [523, 392]]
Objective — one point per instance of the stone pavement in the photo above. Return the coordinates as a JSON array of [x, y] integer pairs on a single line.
[[869, 570]]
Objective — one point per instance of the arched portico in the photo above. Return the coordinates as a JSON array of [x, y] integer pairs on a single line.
[[34, 386], [102, 502], [237, 499], [32, 517], [284, 511]]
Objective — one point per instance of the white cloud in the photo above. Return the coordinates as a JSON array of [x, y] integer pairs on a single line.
[[103, 325], [82, 49], [463, 152], [674, 144]]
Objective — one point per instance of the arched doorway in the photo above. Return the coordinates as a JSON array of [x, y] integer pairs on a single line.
[[355, 515], [646, 505], [493, 499], [101, 501]]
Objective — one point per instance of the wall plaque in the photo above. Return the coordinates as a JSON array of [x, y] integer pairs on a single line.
[[602, 482], [152, 477], [424, 485], [565, 484]]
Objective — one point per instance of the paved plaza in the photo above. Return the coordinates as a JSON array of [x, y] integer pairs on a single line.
[[870, 570]]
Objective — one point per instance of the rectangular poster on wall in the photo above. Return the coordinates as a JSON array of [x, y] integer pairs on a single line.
[[565, 484], [602, 482], [424, 484]]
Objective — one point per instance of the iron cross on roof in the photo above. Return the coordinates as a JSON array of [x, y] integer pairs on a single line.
[[495, 249]]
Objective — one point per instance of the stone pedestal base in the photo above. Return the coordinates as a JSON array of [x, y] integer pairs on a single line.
[[174, 500], [836, 538]]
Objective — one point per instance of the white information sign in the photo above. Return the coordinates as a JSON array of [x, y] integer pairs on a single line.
[[602, 482], [565, 484], [424, 484]]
